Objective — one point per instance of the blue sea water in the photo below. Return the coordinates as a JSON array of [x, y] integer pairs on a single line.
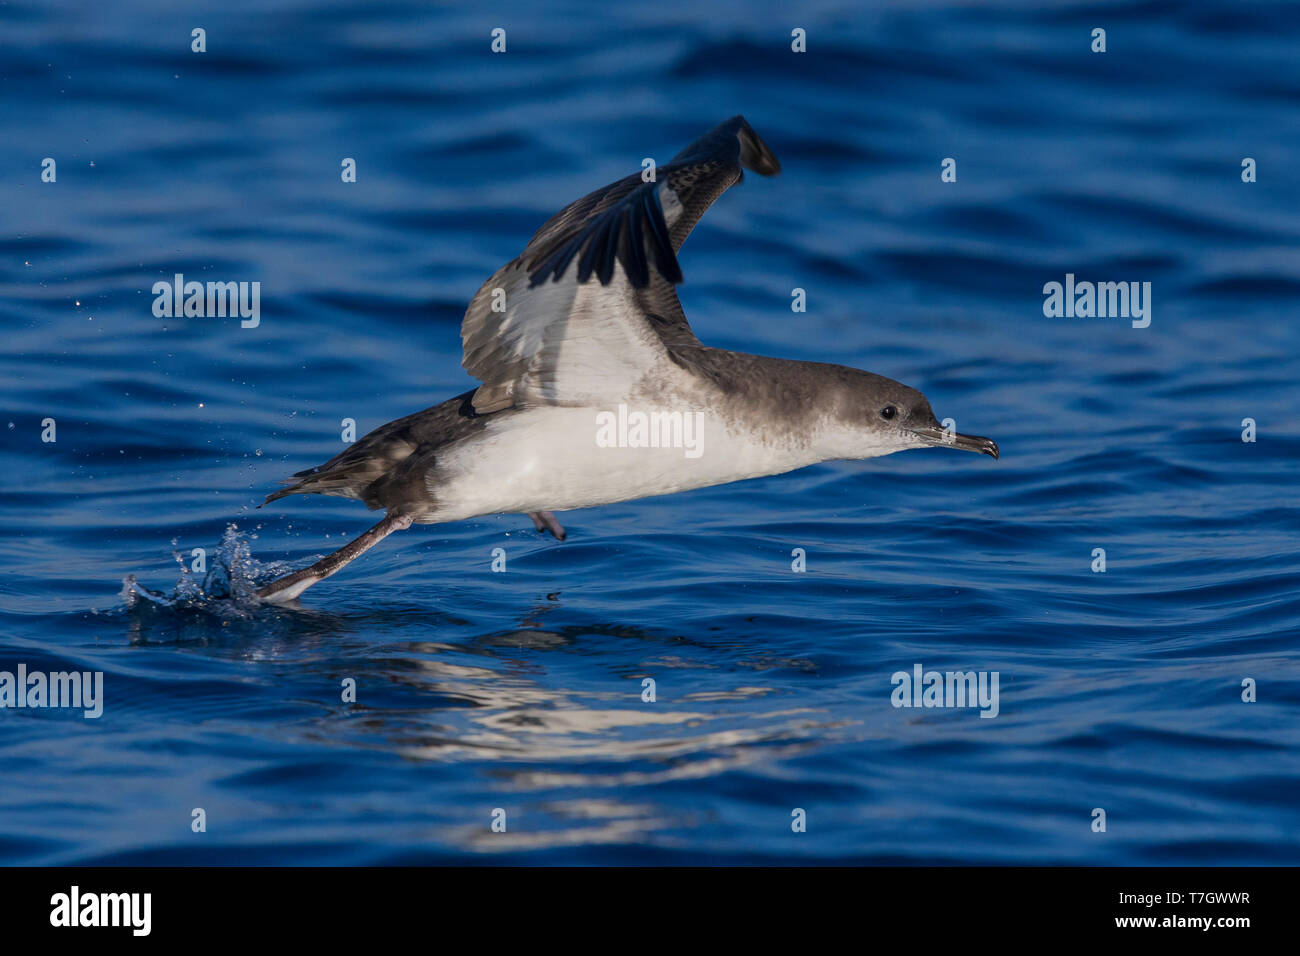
[[521, 691]]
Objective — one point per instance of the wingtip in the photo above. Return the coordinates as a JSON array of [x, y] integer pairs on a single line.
[[754, 153]]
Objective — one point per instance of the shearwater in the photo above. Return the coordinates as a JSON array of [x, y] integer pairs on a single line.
[[585, 320]]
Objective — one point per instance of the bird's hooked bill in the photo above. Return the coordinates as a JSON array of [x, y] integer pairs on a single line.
[[934, 435]]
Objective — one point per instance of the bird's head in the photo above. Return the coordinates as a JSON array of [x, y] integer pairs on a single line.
[[887, 416]]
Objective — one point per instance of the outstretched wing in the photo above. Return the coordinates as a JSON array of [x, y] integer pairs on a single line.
[[541, 332]]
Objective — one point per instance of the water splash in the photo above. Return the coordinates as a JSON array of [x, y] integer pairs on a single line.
[[228, 586]]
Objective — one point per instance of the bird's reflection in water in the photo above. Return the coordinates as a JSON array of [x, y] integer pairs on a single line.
[[509, 709], [537, 739]]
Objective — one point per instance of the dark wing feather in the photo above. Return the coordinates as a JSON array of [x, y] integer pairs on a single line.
[[697, 176]]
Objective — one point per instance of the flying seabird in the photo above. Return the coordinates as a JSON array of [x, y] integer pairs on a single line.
[[594, 388]]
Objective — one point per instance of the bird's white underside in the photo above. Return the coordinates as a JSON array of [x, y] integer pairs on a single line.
[[549, 459]]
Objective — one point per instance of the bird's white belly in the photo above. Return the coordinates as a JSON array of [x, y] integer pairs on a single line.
[[557, 459]]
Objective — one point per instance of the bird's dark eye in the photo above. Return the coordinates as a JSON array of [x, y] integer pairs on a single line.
[[888, 412]]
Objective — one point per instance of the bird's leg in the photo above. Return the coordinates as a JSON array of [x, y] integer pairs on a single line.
[[545, 521], [285, 589]]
